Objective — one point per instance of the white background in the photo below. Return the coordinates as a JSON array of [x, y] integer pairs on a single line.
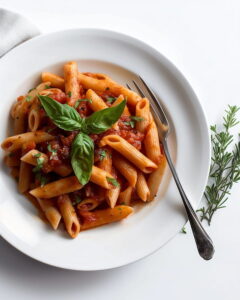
[[202, 38]]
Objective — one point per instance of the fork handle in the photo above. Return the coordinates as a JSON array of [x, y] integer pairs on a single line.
[[203, 241]]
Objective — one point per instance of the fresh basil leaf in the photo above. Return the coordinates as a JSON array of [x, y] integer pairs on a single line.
[[82, 155], [62, 115], [103, 119], [69, 94]]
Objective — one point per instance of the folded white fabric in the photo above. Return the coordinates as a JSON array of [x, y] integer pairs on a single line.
[[14, 29]]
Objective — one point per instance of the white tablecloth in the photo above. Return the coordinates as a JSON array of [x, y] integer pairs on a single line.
[[202, 39]]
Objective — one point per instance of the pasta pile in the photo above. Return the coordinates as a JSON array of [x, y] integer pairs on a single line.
[[85, 149]]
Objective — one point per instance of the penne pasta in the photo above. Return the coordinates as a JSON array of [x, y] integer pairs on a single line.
[[57, 188], [88, 204], [142, 188], [105, 162], [112, 196], [71, 184], [97, 102], [155, 178], [25, 173], [69, 215], [130, 152], [55, 80], [50, 211], [32, 156], [125, 196], [105, 216], [71, 82], [103, 83], [100, 177], [143, 111], [34, 117], [15, 142], [152, 144], [125, 168]]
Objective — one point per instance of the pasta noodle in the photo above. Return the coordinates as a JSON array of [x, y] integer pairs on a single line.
[[69, 215], [155, 179], [71, 82], [105, 216], [50, 211], [143, 111], [97, 102], [15, 142], [152, 145], [55, 81], [142, 187], [112, 196], [125, 168], [130, 152], [125, 196]]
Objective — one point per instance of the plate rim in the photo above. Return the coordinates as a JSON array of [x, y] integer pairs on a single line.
[[180, 77]]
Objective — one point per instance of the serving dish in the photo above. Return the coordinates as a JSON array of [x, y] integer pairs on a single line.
[[148, 229]]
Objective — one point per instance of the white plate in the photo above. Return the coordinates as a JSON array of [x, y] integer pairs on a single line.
[[122, 57]]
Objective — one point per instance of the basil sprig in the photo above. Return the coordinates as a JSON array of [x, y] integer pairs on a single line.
[[67, 118]]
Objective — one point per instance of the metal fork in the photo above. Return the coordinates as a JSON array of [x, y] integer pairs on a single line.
[[203, 241]]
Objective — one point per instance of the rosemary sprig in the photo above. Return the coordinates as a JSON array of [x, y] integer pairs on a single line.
[[225, 166]]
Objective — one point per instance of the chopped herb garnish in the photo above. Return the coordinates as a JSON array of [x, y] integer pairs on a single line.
[[111, 99], [82, 100], [40, 161], [31, 90], [133, 121], [77, 200], [69, 94], [43, 180], [130, 123], [136, 118], [183, 230], [53, 151], [47, 86], [37, 155], [107, 89], [102, 154], [50, 149], [28, 98], [113, 181]]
